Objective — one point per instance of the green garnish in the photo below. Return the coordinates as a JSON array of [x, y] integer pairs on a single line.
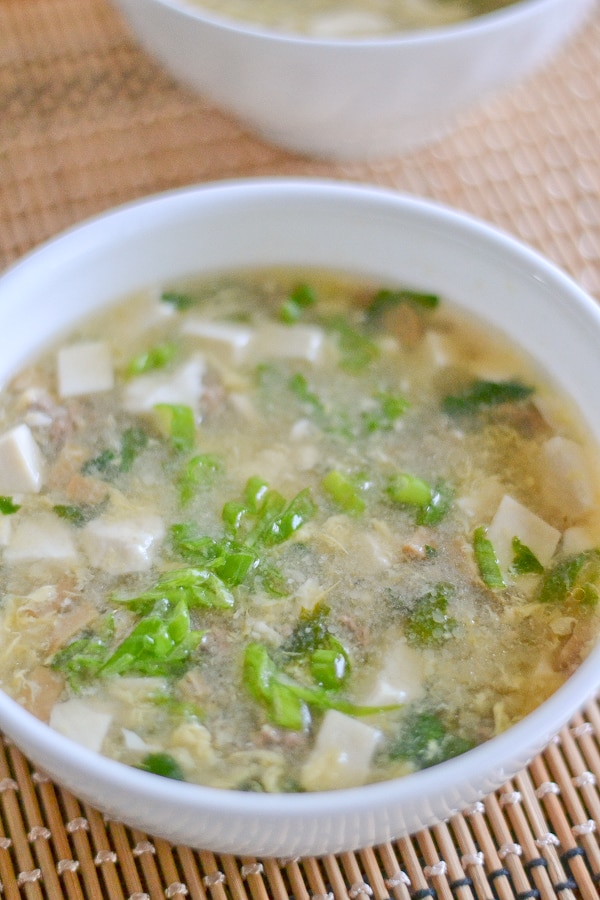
[[265, 517], [310, 632], [525, 561], [575, 579], [357, 350], [386, 299], [110, 463], [425, 741], [8, 506], [484, 394], [78, 515], [409, 490], [438, 507], [177, 421], [429, 623], [487, 561], [390, 407], [344, 491], [198, 472], [178, 300], [288, 703], [157, 357], [162, 764], [160, 644], [299, 299], [195, 586], [226, 559]]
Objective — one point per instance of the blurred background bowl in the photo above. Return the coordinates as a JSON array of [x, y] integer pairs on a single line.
[[344, 99], [377, 234]]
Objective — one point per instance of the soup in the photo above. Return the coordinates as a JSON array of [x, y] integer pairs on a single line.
[[288, 531], [363, 18]]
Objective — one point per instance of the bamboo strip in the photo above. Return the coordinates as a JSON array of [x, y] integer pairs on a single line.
[[571, 856]]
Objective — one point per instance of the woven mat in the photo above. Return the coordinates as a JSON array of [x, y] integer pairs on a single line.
[[88, 121]]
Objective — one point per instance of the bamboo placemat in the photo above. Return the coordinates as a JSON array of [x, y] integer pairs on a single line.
[[88, 121]]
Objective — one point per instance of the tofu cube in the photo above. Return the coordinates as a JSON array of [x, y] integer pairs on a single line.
[[121, 545], [511, 520], [43, 537], [183, 385], [21, 463], [84, 368], [567, 471], [78, 720], [274, 341], [342, 753], [400, 679], [228, 340]]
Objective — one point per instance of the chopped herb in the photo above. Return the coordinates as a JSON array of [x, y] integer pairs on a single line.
[[525, 561], [386, 299], [197, 587], [329, 665], [575, 579], [344, 491], [425, 741], [228, 560], [8, 506], [287, 703], [157, 357], [484, 394], [81, 660], [162, 764], [438, 507], [357, 350], [429, 623], [198, 472], [160, 644], [409, 490], [390, 407], [177, 300], [310, 632], [177, 421], [299, 299], [487, 561], [78, 515], [109, 464], [133, 442], [265, 517]]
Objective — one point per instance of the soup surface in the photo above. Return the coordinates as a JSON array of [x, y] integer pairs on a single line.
[[350, 18], [284, 531]]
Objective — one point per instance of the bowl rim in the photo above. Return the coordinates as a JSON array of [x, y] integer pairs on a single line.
[[528, 735], [417, 37]]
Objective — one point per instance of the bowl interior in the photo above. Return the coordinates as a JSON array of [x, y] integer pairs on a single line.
[[395, 240]]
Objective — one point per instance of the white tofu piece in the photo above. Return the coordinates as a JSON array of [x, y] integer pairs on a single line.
[[567, 473], [133, 741], [400, 678], [512, 519], [183, 385], [342, 753], [229, 340], [42, 537], [122, 545], [78, 720], [84, 368], [21, 462], [577, 539], [274, 341]]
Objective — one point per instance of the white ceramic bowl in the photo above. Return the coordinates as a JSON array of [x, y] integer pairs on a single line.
[[363, 230], [350, 99]]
